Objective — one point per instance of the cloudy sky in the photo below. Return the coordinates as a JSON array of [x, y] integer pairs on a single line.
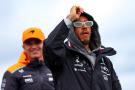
[[116, 25]]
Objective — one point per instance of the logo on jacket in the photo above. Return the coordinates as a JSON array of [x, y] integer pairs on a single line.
[[50, 78], [21, 70], [28, 78], [78, 65], [3, 84], [105, 71]]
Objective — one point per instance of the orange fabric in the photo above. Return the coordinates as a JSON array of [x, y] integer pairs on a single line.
[[23, 61], [33, 32], [23, 58], [15, 67]]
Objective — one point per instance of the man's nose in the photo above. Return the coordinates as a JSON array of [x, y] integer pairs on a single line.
[[33, 45], [84, 27]]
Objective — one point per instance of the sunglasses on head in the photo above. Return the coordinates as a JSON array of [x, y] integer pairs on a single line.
[[80, 24]]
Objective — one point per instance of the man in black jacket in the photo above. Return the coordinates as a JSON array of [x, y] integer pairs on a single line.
[[30, 73], [81, 62]]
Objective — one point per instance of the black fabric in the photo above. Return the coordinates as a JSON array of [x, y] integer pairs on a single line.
[[35, 63], [72, 70], [34, 76]]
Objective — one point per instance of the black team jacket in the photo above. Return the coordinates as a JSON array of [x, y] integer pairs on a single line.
[[26, 75], [72, 70]]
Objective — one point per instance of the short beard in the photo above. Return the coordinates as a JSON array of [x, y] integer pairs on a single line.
[[85, 42]]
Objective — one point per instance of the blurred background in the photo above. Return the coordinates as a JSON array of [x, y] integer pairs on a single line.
[[116, 19]]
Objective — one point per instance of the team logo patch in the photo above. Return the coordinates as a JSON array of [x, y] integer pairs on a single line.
[[105, 71], [78, 65], [21, 70], [28, 78], [50, 78]]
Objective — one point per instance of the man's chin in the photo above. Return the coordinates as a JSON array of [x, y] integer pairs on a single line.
[[85, 42], [35, 56]]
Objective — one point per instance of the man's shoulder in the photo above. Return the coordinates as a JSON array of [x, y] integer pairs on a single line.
[[15, 67]]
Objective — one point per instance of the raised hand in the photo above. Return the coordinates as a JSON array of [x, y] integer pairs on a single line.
[[75, 13]]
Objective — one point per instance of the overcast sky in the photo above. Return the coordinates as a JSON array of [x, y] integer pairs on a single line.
[[116, 19]]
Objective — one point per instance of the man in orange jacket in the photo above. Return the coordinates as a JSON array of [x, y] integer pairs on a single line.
[[30, 73]]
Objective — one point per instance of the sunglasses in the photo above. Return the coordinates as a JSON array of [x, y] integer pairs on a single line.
[[32, 41], [81, 24]]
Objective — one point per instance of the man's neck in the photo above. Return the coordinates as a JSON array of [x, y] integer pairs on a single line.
[[86, 46], [40, 59]]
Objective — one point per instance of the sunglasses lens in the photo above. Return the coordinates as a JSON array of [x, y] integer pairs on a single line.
[[89, 23], [77, 24], [32, 41]]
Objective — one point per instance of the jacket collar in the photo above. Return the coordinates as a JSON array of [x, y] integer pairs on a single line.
[[104, 51]]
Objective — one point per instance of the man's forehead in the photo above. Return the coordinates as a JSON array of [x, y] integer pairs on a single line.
[[83, 18]]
